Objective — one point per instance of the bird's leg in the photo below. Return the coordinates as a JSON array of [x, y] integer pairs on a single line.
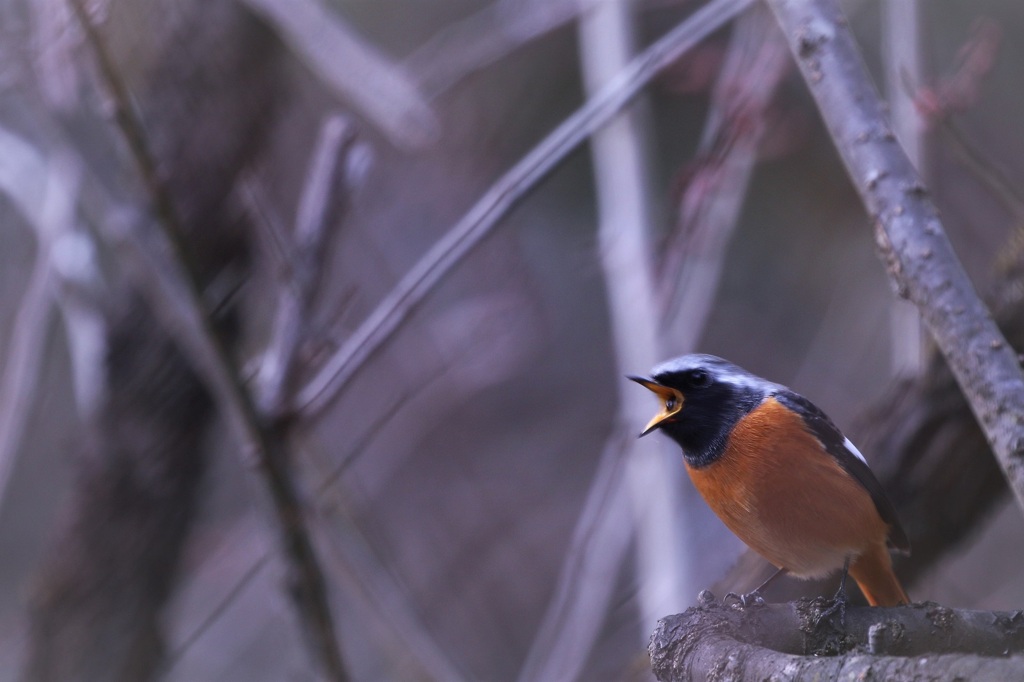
[[754, 598], [839, 600]]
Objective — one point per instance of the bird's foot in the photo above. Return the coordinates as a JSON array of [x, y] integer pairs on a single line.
[[838, 605], [744, 601]]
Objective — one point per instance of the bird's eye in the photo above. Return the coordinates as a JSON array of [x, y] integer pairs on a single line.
[[670, 404], [698, 378]]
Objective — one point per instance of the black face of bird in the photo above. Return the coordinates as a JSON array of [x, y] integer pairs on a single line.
[[700, 402]]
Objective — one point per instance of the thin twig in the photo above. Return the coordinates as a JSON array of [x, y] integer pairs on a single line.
[[398, 304], [155, 260], [429, 655], [280, 361], [23, 363], [267, 227], [920, 260], [600, 540], [982, 168], [218, 610]]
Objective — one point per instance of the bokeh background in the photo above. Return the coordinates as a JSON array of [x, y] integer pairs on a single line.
[[478, 504]]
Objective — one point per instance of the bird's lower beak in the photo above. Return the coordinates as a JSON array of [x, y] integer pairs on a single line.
[[671, 403]]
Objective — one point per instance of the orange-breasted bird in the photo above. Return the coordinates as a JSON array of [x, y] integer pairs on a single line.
[[780, 474]]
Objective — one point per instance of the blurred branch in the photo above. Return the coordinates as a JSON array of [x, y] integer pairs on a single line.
[[904, 643], [319, 200], [920, 260], [493, 33], [621, 176], [23, 363], [903, 55], [937, 105], [164, 283], [484, 38], [399, 303], [217, 610], [710, 206], [990, 176], [353, 69], [359, 566], [270, 234], [578, 605], [156, 263]]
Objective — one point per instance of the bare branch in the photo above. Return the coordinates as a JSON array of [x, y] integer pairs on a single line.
[[354, 69], [399, 303], [918, 255], [922, 641], [154, 260], [23, 363], [280, 361]]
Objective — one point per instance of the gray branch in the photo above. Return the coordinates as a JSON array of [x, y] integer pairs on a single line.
[[154, 259], [918, 256], [922, 641]]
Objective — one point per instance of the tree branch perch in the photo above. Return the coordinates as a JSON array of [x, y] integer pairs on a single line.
[[922, 641]]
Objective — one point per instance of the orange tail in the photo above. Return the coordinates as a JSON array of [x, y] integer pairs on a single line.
[[873, 572]]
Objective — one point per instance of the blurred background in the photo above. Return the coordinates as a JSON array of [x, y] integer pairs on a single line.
[[464, 290]]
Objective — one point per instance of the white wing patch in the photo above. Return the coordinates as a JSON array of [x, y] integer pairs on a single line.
[[853, 450]]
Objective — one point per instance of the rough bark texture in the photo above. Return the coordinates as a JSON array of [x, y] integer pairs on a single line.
[[97, 603], [794, 642]]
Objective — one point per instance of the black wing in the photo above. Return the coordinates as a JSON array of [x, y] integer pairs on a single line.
[[834, 441]]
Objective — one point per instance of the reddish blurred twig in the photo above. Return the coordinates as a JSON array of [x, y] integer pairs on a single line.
[[958, 92], [710, 205]]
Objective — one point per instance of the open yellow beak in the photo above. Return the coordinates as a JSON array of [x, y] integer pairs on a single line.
[[671, 403]]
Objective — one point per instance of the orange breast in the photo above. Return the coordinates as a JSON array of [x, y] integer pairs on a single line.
[[778, 490]]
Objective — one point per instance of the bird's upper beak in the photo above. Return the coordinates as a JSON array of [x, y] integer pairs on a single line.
[[671, 403]]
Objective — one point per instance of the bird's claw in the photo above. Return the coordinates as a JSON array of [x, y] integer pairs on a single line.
[[838, 605], [745, 601]]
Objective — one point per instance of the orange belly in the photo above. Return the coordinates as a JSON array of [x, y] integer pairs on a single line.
[[791, 502]]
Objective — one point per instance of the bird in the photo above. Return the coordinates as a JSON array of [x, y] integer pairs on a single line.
[[780, 474]]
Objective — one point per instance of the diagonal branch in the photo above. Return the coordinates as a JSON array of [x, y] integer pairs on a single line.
[[155, 261], [918, 256], [399, 303]]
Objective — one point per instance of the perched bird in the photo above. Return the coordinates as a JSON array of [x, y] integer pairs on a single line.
[[780, 474]]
